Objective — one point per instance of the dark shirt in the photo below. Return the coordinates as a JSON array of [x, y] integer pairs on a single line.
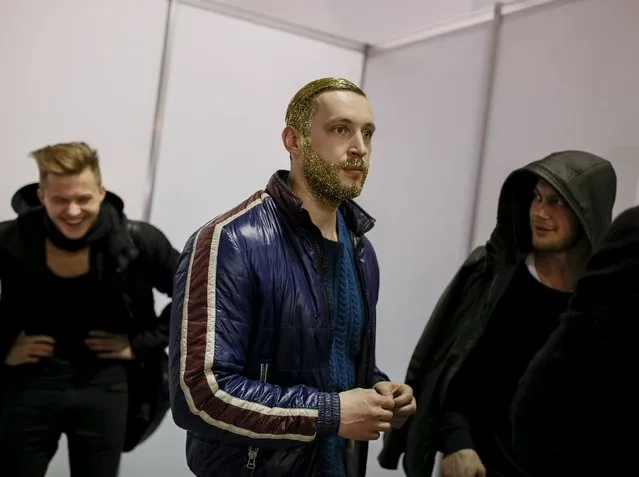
[[333, 251], [69, 308], [477, 406]]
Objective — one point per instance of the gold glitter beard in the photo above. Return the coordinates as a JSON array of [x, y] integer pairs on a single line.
[[323, 178]]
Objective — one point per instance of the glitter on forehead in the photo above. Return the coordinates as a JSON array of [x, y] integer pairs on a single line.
[[303, 106]]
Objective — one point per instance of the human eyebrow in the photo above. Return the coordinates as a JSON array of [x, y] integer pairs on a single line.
[[555, 198], [370, 126]]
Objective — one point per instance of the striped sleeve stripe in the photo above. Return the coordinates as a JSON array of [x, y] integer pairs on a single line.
[[204, 396]]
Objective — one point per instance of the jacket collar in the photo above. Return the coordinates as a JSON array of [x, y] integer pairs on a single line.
[[30, 234], [356, 218]]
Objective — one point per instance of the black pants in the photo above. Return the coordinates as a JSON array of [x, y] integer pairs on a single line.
[[44, 401]]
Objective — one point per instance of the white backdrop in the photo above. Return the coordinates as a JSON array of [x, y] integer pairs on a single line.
[[79, 70], [88, 70]]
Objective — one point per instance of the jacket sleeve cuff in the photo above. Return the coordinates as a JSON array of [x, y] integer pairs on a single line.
[[454, 434], [379, 376], [328, 414], [456, 441]]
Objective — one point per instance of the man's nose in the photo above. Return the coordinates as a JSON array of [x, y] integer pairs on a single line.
[[73, 210], [541, 212], [359, 147]]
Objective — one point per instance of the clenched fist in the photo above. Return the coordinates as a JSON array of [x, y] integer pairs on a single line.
[[364, 413], [404, 402]]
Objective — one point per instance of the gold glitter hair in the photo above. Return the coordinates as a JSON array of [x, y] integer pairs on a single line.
[[303, 106], [67, 158]]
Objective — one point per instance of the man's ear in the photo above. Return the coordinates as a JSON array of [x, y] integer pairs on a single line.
[[41, 195], [292, 140]]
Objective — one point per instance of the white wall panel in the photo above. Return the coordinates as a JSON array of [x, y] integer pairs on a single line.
[[228, 90], [427, 99], [79, 70], [567, 77]]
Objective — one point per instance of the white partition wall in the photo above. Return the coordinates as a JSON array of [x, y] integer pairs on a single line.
[[229, 86], [78, 70], [567, 76], [427, 99]]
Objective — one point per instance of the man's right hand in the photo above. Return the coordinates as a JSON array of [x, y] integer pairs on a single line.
[[364, 413], [29, 349], [463, 463]]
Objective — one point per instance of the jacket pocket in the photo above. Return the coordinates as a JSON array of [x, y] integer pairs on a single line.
[[253, 452]]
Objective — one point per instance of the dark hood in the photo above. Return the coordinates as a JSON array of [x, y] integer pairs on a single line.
[[586, 182], [26, 199]]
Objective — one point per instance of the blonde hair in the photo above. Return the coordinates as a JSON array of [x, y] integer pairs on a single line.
[[66, 159], [303, 106]]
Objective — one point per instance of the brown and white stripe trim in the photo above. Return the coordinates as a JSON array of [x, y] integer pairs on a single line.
[[203, 395]]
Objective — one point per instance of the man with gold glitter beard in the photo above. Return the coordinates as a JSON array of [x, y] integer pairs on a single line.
[[272, 341]]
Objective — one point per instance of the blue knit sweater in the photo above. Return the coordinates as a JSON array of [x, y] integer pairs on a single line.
[[348, 321]]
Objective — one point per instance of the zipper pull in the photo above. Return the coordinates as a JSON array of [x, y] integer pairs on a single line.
[[252, 457]]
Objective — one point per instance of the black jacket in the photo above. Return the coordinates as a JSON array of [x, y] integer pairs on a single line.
[[145, 258], [575, 412], [588, 184], [145, 261]]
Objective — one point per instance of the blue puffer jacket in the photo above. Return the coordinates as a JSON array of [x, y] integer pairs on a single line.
[[251, 335]]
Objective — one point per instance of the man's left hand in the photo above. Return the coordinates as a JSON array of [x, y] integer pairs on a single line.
[[109, 345], [405, 405]]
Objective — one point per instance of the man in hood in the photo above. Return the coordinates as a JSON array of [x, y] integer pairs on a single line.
[[496, 313], [575, 412], [79, 335]]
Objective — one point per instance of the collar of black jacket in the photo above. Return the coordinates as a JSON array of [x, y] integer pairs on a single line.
[[26, 242], [357, 220], [30, 230]]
